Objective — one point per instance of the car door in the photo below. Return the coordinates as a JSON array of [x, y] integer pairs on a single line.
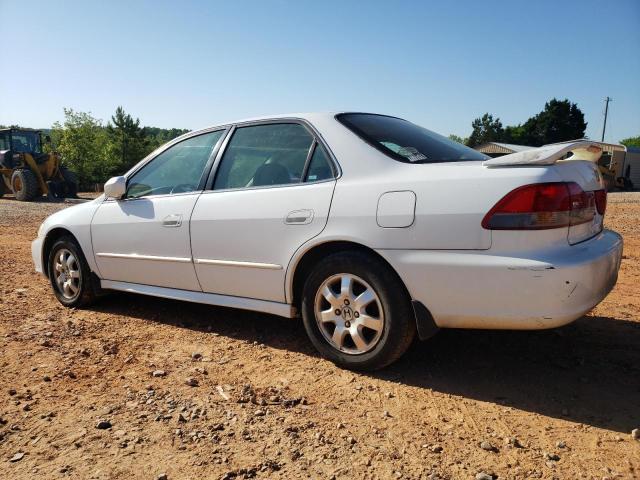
[[271, 193], [143, 238]]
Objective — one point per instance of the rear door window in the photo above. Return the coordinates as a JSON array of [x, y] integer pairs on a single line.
[[319, 166], [264, 155], [405, 141]]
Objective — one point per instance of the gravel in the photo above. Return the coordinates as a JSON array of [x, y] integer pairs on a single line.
[[192, 382], [554, 457], [103, 425], [483, 476], [17, 457], [488, 446], [311, 406]]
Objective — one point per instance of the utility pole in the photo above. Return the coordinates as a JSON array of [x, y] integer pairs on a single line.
[[606, 112]]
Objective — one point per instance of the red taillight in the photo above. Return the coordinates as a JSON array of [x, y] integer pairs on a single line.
[[542, 206], [601, 201]]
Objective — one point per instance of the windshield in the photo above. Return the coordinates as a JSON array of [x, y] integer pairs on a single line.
[[405, 141], [22, 141], [4, 141]]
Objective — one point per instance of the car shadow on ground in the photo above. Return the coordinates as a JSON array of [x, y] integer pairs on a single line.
[[587, 372]]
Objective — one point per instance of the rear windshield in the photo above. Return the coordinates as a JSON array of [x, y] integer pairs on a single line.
[[405, 141]]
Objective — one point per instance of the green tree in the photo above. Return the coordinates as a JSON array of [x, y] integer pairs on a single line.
[[485, 129], [631, 141], [84, 145], [457, 138], [157, 137], [560, 121], [127, 141], [514, 134]]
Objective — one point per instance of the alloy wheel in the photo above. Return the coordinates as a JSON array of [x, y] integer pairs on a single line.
[[67, 273], [349, 314]]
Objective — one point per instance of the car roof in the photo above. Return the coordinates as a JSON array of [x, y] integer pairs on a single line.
[[19, 129], [309, 116], [338, 139]]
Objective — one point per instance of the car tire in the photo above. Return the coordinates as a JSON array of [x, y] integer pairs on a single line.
[[363, 292], [69, 273], [71, 182], [24, 185]]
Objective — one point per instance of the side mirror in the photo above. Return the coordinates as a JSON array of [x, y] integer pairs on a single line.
[[115, 187]]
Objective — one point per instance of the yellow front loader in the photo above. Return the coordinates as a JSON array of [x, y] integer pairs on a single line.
[[27, 172]]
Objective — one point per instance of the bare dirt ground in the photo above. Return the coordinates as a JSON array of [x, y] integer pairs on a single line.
[[552, 404]]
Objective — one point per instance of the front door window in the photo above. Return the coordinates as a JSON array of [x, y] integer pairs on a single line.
[[179, 169]]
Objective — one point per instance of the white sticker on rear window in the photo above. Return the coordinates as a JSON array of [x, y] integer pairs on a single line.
[[412, 154]]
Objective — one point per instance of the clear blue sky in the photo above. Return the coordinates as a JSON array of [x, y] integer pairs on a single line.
[[439, 64]]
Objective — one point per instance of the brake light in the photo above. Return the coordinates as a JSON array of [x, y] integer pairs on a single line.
[[542, 206], [601, 201]]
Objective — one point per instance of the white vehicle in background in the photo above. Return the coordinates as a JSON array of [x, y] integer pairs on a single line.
[[371, 228]]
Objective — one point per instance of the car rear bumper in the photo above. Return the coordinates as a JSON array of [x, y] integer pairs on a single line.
[[492, 291], [36, 254]]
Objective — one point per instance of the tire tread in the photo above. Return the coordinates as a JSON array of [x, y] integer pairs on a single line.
[[30, 186]]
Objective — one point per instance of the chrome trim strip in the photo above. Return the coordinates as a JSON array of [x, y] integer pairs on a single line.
[[135, 256], [231, 263]]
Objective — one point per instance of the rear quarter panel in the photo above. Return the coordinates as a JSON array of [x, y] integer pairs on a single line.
[[451, 201]]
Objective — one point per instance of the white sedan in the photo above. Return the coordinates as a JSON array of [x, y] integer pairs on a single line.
[[371, 228]]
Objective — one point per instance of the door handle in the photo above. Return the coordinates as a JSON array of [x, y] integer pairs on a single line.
[[174, 220], [299, 217]]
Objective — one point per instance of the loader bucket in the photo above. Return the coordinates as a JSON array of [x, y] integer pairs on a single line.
[[60, 189]]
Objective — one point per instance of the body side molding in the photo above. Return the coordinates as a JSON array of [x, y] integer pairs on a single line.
[[135, 256], [233, 263]]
